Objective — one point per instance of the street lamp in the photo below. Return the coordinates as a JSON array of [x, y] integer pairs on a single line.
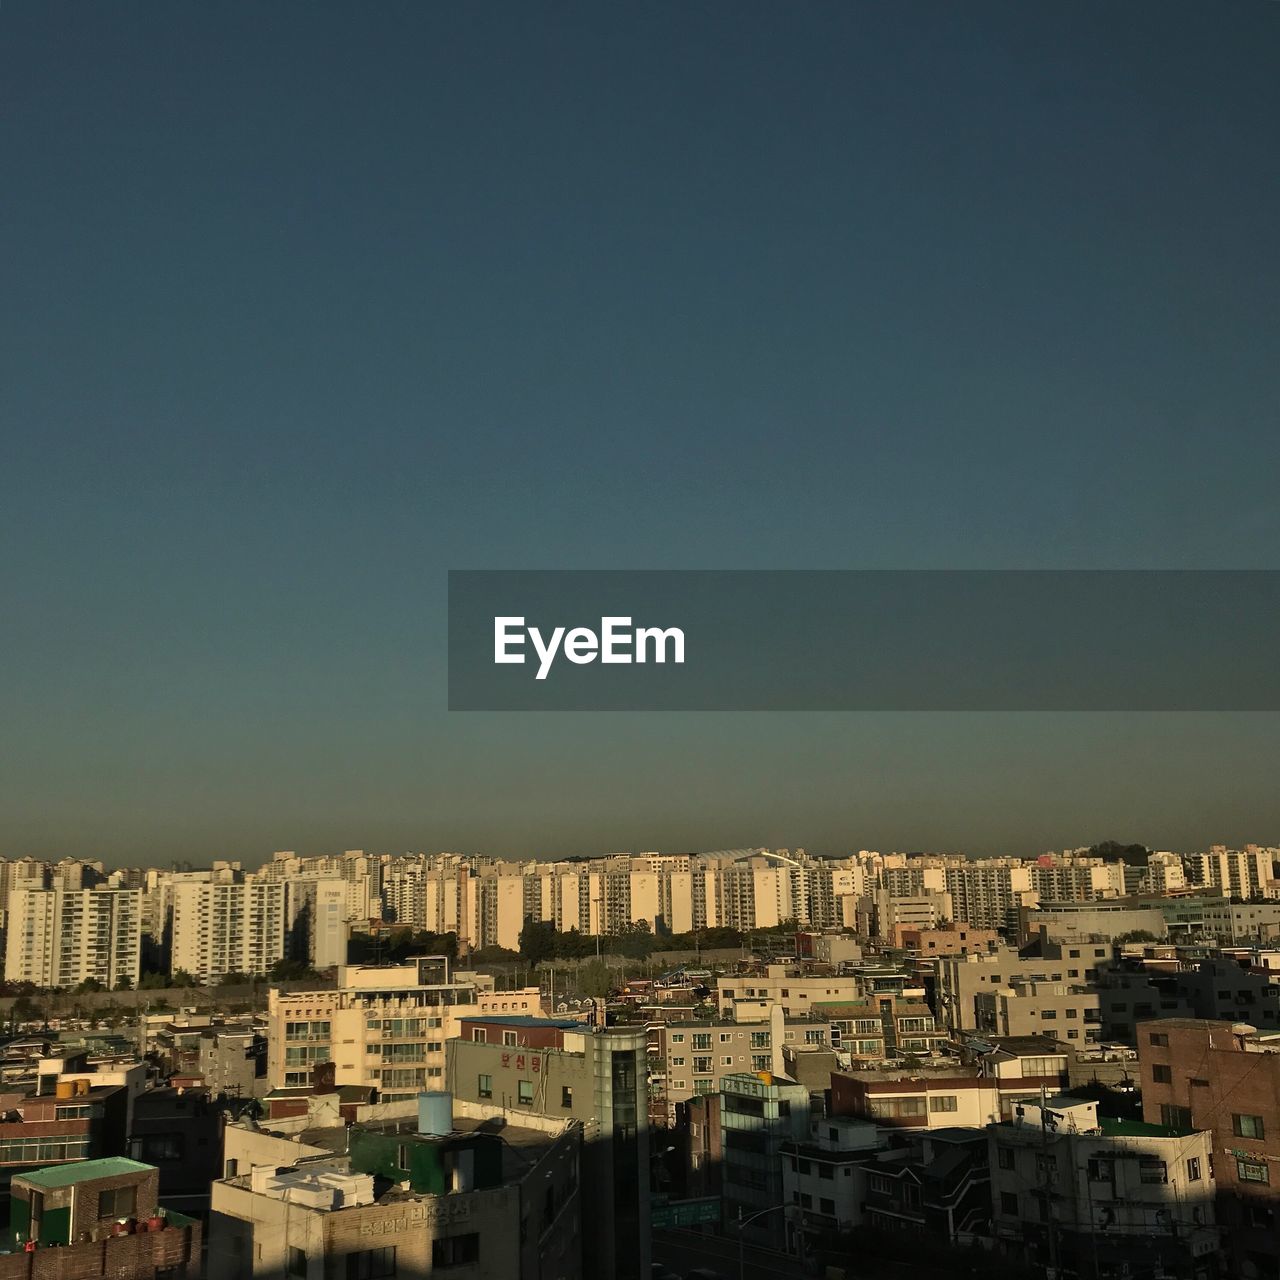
[[743, 1223]]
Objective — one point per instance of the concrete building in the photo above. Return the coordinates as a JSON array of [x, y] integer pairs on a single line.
[[383, 1026], [452, 1192], [961, 978], [748, 997], [1091, 921], [692, 1059], [1063, 1011], [536, 1067], [1093, 1197], [825, 1172], [222, 928], [1216, 989], [759, 1116], [879, 1027], [958, 940], [939, 1097], [93, 1220], [1224, 1077], [61, 937]]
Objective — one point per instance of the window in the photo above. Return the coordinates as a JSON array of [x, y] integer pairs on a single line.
[[566, 1095], [456, 1251], [1252, 1171], [1162, 1074], [371, 1264], [484, 1086], [827, 1206], [1152, 1170], [1247, 1126], [1159, 1039], [678, 1039], [1009, 1203], [524, 1092], [1175, 1117], [702, 1064], [121, 1202], [509, 1038], [702, 1040], [297, 1261], [727, 1061], [1193, 1169], [1004, 1157], [157, 1148], [943, 1102]]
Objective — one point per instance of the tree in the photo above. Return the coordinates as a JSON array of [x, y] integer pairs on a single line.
[[1137, 935], [181, 978], [234, 979], [124, 983], [538, 941], [595, 979], [89, 986], [285, 970]]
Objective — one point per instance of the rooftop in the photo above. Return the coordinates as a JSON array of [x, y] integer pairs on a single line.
[[1140, 1129], [527, 1020], [66, 1175]]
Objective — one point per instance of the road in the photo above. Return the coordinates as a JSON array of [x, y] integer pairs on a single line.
[[683, 1250]]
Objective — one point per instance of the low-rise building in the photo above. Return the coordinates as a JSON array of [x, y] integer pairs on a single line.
[[748, 997], [96, 1219], [944, 1097], [561, 1070], [691, 1059], [1063, 1011], [1225, 1078], [476, 1194], [1092, 1197]]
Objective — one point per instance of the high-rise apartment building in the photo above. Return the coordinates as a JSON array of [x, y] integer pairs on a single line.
[[62, 937], [228, 928]]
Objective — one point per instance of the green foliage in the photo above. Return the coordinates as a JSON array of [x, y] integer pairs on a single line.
[[292, 971], [89, 986], [234, 980], [153, 982], [398, 944], [595, 979], [1137, 935], [181, 978], [1132, 855], [124, 984], [538, 941]]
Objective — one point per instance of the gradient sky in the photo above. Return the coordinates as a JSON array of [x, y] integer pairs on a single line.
[[302, 305]]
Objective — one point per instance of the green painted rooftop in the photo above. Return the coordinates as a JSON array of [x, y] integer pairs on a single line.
[[64, 1175], [1140, 1129]]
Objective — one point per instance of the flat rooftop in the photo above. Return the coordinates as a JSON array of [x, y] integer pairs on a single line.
[[528, 1020], [66, 1175]]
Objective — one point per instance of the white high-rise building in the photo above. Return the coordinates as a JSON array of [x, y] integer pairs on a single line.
[[62, 937], [228, 928]]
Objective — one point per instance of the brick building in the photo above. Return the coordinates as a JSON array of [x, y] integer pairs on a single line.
[[1224, 1077], [96, 1218]]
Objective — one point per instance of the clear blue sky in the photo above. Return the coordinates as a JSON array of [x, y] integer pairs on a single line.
[[303, 304]]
